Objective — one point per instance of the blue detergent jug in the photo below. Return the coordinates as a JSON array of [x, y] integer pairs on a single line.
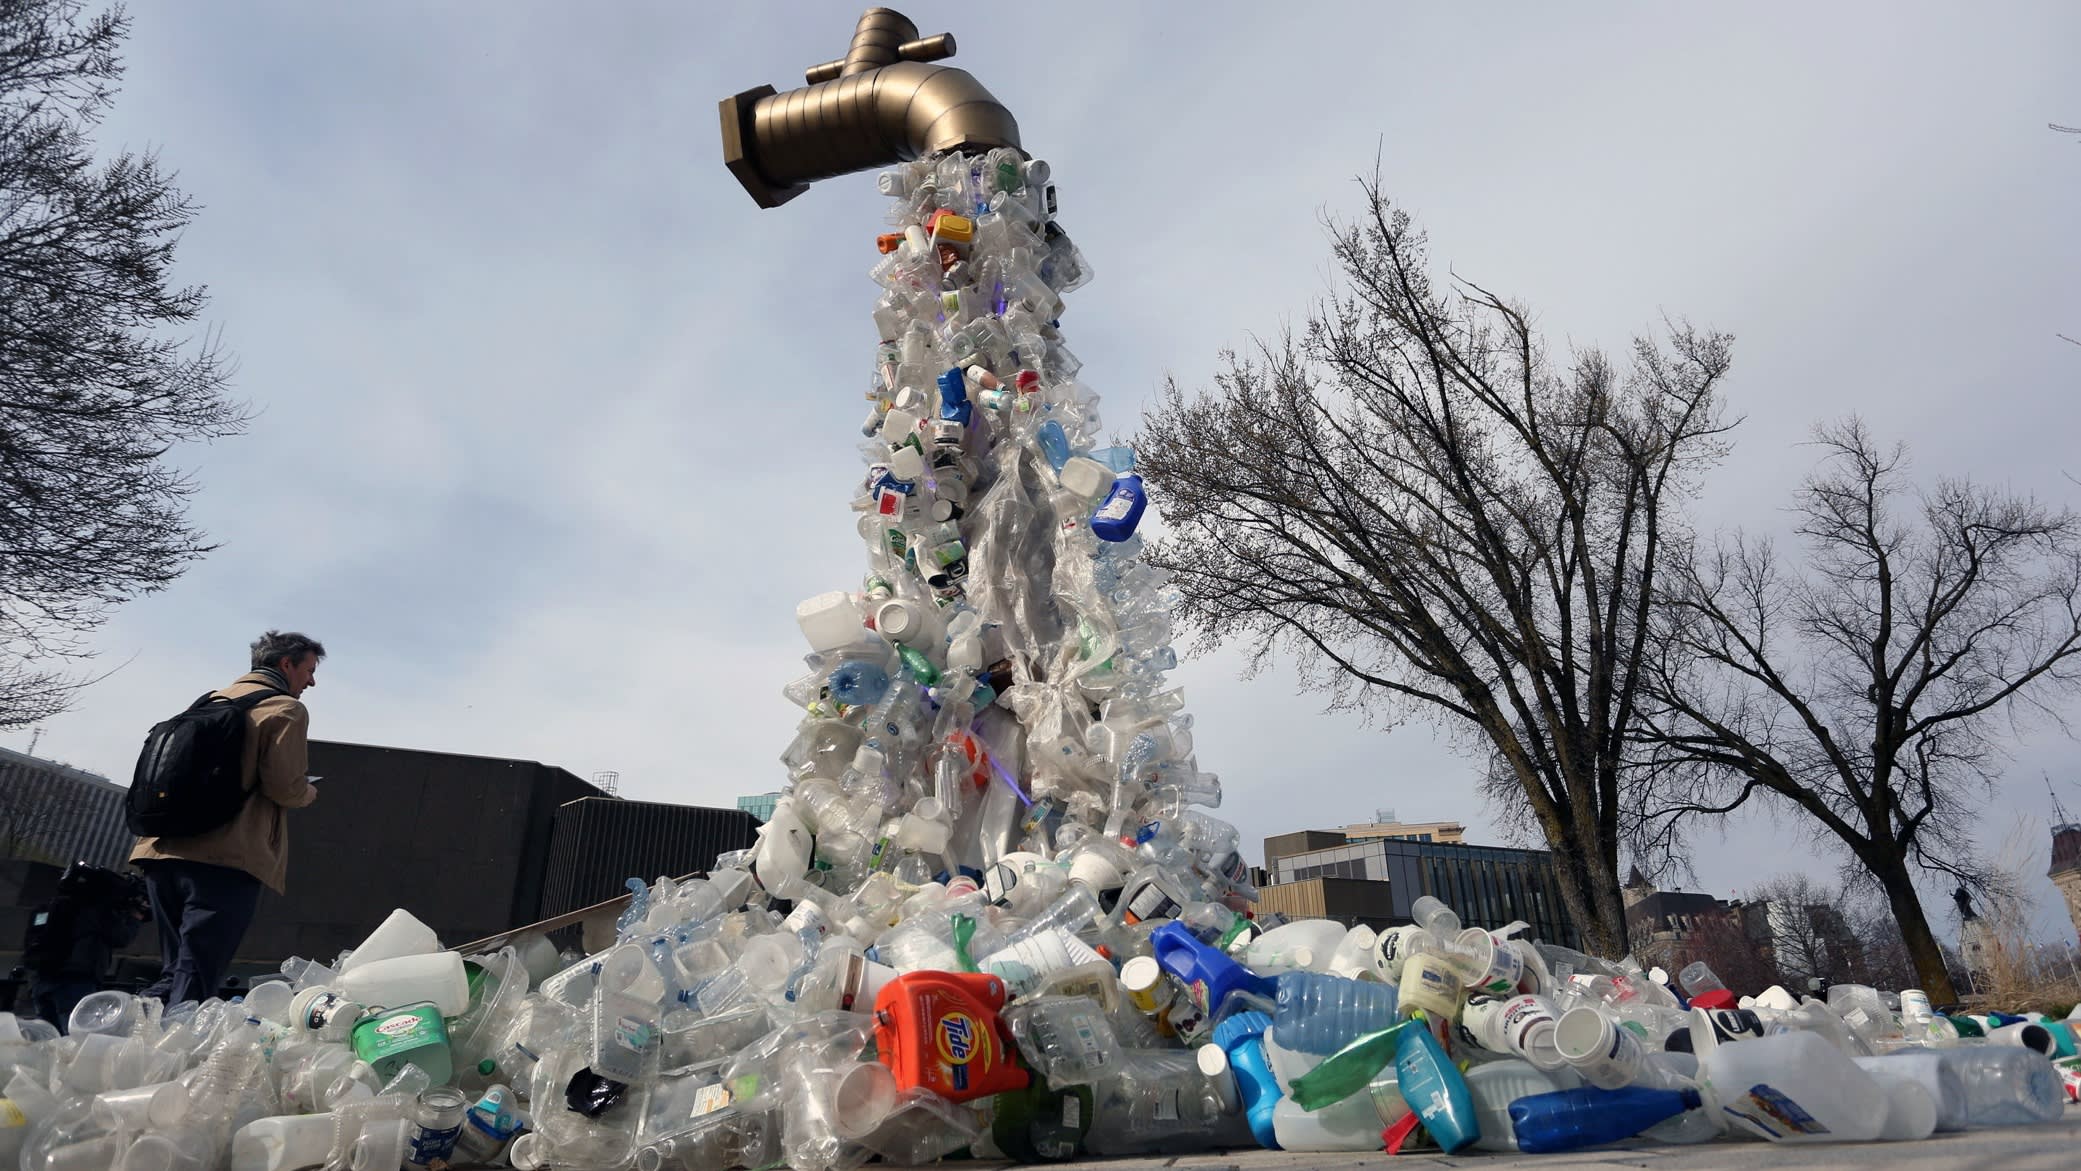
[[1242, 1037], [1206, 971]]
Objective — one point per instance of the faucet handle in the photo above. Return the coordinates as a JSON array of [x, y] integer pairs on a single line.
[[935, 48]]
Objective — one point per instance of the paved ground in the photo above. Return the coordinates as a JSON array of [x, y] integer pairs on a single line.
[[2053, 1147]]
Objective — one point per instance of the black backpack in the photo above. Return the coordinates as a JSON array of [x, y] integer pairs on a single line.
[[187, 780]]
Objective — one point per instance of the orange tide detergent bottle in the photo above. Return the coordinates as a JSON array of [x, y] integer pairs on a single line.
[[940, 1030]]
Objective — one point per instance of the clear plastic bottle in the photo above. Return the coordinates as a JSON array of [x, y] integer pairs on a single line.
[[2005, 1086], [1319, 1014], [1159, 1100]]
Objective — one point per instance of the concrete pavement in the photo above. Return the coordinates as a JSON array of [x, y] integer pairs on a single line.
[[2051, 1147]]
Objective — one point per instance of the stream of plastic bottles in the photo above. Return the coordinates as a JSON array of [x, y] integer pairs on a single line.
[[990, 914]]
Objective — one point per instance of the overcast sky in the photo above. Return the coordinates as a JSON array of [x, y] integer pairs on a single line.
[[557, 426]]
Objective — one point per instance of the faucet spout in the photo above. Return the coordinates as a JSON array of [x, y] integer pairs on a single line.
[[884, 102]]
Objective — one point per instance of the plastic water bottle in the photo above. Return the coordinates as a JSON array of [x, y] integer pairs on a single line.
[[2005, 1086], [1319, 1014], [1568, 1120]]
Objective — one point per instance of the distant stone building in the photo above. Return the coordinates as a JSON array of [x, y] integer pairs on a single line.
[[2066, 869]]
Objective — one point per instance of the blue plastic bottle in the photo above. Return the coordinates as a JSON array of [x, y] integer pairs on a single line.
[[953, 397], [1436, 1091], [1122, 511], [1242, 1037], [1207, 972], [1568, 1120], [858, 681], [1054, 443], [1321, 1014]]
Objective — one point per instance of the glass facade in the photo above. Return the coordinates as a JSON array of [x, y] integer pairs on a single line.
[[1490, 886]]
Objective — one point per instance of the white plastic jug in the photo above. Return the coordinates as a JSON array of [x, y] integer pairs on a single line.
[[1494, 1085], [829, 621], [1349, 1124], [402, 934], [1302, 945], [1793, 1088], [409, 980], [283, 1143]]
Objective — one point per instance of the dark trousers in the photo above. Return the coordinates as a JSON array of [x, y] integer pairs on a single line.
[[55, 997], [202, 912]]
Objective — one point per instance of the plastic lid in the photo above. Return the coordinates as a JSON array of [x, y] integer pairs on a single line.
[[1302, 957], [1213, 1060], [1140, 973], [487, 1067]]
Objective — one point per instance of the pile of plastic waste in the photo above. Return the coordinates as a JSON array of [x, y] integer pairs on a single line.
[[990, 914]]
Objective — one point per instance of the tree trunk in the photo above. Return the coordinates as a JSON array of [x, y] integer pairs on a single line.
[[1592, 901], [1923, 948]]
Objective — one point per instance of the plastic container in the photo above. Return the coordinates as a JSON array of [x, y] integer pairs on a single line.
[[1434, 1089], [1347, 1125], [1493, 1086], [438, 977], [1605, 1054], [1065, 1039], [1302, 945], [435, 1122], [1121, 511], [627, 1007], [414, 1034], [1522, 1026], [1320, 1014], [402, 934], [940, 1030], [1210, 976], [1241, 1039], [829, 621], [1789, 1088]]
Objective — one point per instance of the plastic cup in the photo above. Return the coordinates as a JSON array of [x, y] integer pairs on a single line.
[[1605, 1054], [153, 1107], [862, 1098], [1392, 948], [1492, 965], [1523, 1025], [155, 1152], [269, 1000], [1434, 916], [1698, 979]]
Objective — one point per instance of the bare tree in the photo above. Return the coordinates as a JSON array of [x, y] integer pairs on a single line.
[[1415, 500], [95, 390], [1870, 688], [1808, 934]]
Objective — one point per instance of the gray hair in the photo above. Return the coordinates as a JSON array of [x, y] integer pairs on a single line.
[[272, 647]]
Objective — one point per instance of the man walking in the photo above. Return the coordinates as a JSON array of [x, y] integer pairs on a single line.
[[204, 888]]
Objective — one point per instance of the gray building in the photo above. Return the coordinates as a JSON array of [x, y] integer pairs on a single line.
[[1322, 873], [599, 843], [51, 812]]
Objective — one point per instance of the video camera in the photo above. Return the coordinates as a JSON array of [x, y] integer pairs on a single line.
[[96, 885]]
